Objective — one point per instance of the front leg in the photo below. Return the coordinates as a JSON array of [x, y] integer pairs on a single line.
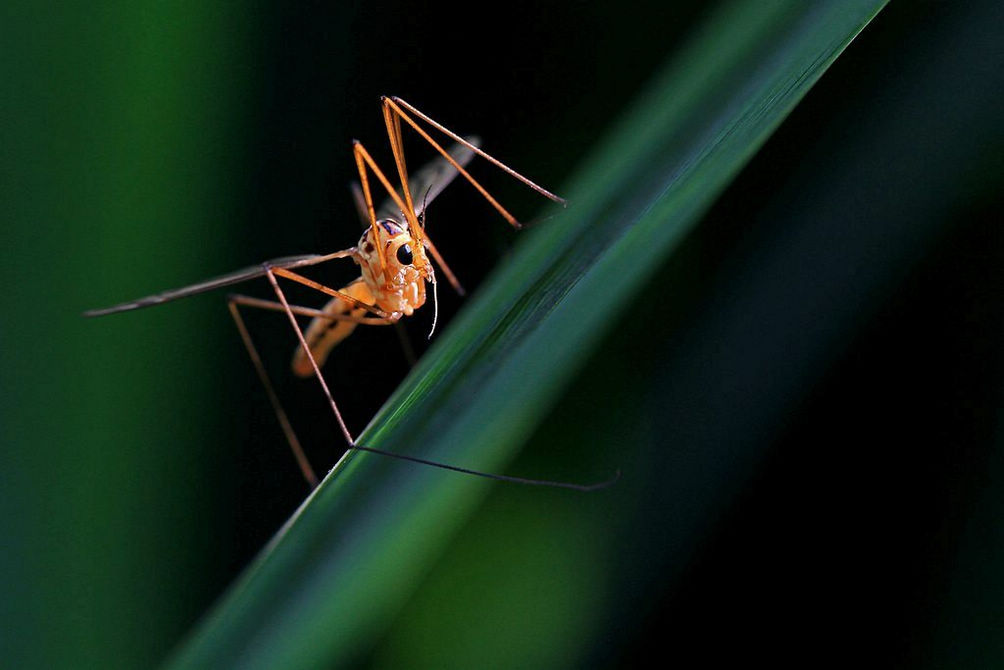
[[313, 363]]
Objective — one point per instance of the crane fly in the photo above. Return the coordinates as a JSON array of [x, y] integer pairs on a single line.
[[393, 255]]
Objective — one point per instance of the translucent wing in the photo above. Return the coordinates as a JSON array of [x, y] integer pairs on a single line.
[[208, 285], [430, 181]]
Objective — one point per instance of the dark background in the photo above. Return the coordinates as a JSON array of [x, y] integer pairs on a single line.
[[858, 255]]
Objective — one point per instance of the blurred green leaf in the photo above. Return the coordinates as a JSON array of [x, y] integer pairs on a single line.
[[342, 568]]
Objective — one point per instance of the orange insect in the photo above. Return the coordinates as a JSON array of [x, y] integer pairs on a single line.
[[393, 255]]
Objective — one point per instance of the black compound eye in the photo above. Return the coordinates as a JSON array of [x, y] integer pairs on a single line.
[[404, 255]]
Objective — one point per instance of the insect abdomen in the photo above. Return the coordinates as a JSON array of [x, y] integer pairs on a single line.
[[323, 334]]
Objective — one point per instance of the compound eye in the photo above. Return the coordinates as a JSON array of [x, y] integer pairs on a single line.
[[404, 255]]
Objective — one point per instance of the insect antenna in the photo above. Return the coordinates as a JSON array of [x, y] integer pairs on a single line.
[[425, 206]]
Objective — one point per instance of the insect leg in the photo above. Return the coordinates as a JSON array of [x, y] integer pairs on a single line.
[[280, 413], [300, 279], [397, 103], [397, 106], [364, 160], [450, 277], [310, 312], [391, 107], [271, 275], [234, 302], [393, 124], [310, 356], [360, 155]]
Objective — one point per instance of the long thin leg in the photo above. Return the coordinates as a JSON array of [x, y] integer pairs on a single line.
[[587, 488], [396, 101], [395, 105], [352, 443], [300, 279], [393, 124], [309, 312], [390, 109], [364, 160], [359, 153], [310, 356], [450, 277], [234, 302], [273, 398]]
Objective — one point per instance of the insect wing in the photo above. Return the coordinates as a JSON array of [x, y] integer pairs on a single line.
[[210, 284]]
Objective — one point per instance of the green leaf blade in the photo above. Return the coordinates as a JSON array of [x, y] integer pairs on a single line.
[[348, 560]]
